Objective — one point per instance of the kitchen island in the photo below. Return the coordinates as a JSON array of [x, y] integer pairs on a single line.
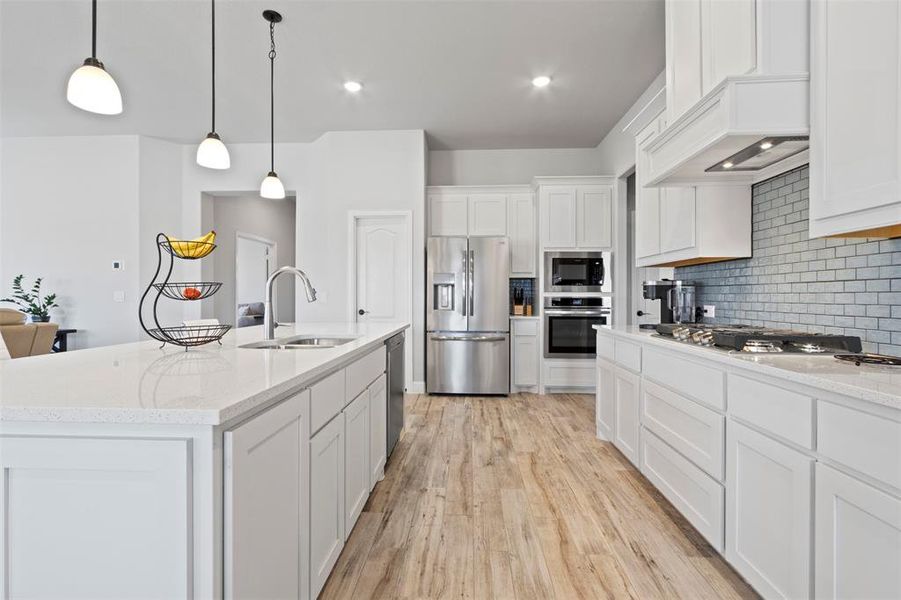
[[221, 471], [788, 465]]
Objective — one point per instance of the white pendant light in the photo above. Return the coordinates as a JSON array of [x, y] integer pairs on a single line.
[[90, 87], [212, 153], [272, 187]]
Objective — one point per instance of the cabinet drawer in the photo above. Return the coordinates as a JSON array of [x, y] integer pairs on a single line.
[[606, 346], [699, 382], [525, 326], [699, 498], [569, 373], [779, 411], [863, 441], [695, 431], [363, 372], [326, 400], [627, 354]]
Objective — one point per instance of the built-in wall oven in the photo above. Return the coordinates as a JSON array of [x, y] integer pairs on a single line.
[[568, 322], [577, 272]]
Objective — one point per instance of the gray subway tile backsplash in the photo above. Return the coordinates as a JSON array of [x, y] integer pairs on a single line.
[[827, 285]]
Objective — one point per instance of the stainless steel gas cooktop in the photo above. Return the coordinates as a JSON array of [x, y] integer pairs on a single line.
[[753, 339]]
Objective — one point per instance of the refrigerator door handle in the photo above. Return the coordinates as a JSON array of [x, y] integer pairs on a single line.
[[472, 282], [465, 281], [478, 338]]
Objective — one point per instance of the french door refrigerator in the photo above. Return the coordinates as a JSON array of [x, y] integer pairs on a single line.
[[467, 315]]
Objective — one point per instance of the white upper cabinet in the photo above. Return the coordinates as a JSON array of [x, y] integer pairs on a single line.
[[488, 211], [594, 216], [728, 34], [576, 212], [487, 214], [855, 112], [687, 225], [448, 214], [522, 233], [683, 55]]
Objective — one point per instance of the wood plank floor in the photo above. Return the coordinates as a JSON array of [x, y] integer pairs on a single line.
[[516, 498]]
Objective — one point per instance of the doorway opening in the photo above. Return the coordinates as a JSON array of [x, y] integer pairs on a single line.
[[254, 237]]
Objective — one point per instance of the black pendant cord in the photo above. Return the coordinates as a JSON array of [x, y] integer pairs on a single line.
[[272, 96], [94, 29], [213, 38]]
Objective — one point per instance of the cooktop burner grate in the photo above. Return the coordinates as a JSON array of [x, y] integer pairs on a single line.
[[870, 359]]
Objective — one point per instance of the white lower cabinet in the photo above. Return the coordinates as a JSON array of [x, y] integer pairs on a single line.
[[858, 539], [605, 400], [524, 357], [627, 387], [263, 504], [696, 495], [326, 501], [768, 529], [356, 460], [378, 429]]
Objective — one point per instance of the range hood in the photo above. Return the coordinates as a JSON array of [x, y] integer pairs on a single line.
[[741, 126]]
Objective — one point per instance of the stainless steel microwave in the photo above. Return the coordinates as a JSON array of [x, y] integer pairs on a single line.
[[577, 272]]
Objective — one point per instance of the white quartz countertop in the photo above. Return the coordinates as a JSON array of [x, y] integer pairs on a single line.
[[881, 385], [141, 383]]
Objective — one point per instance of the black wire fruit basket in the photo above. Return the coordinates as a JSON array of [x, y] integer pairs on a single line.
[[180, 335]]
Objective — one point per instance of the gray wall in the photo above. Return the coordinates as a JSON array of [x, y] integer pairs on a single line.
[[271, 219], [826, 285]]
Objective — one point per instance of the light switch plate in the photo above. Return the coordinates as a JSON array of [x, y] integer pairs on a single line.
[[710, 311], [118, 265], [118, 296]]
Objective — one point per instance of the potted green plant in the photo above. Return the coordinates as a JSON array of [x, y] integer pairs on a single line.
[[30, 302]]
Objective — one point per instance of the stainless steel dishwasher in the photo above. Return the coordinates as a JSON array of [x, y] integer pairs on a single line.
[[395, 347]]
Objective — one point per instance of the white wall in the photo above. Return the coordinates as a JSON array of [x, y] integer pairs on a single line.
[[70, 207], [616, 152], [501, 167]]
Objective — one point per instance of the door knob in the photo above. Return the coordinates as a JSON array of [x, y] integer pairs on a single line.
[[362, 312]]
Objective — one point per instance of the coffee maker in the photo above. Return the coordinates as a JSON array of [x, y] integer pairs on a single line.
[[677, 300]]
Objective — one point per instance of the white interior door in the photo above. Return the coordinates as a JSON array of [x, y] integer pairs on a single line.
[[254, 260], [383, 272]]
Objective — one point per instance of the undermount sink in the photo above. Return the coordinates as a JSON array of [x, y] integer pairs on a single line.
[[300, 342]]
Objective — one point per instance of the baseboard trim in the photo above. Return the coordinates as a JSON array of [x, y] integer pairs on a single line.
[[417, 387]]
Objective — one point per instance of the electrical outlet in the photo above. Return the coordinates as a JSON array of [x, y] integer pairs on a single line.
[[710, 311]]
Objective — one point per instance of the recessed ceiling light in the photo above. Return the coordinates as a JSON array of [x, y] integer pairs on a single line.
[[766, 145], [727, 165], [541, 81], [353, 86]]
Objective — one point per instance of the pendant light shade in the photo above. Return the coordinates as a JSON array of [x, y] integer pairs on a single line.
[[212, 153], [272, 186], [90, 87]]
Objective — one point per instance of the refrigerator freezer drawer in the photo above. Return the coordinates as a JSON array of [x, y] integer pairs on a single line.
[[468, 363]]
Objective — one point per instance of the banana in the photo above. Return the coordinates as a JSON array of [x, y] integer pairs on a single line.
[[196, 248]]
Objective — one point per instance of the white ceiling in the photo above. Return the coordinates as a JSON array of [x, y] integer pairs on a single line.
[[461, 70]]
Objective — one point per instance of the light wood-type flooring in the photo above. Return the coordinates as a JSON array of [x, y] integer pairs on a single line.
[[516, 498]]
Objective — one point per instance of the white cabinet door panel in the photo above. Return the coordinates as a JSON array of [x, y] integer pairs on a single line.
[[448, 214], [487, 214], [263, 501], [95, 518], [768, 525], [605, 400], [729, 45], [326, 501], [356, 460], [594, 217], [647, 200], [378, 430], [683, 56], [858, 539], [627, 387], [525, 360], [558, 222], [678, 219], [855, 132], [522, 233]]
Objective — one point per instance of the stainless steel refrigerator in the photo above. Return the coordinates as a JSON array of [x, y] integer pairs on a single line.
[[467, 315]]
